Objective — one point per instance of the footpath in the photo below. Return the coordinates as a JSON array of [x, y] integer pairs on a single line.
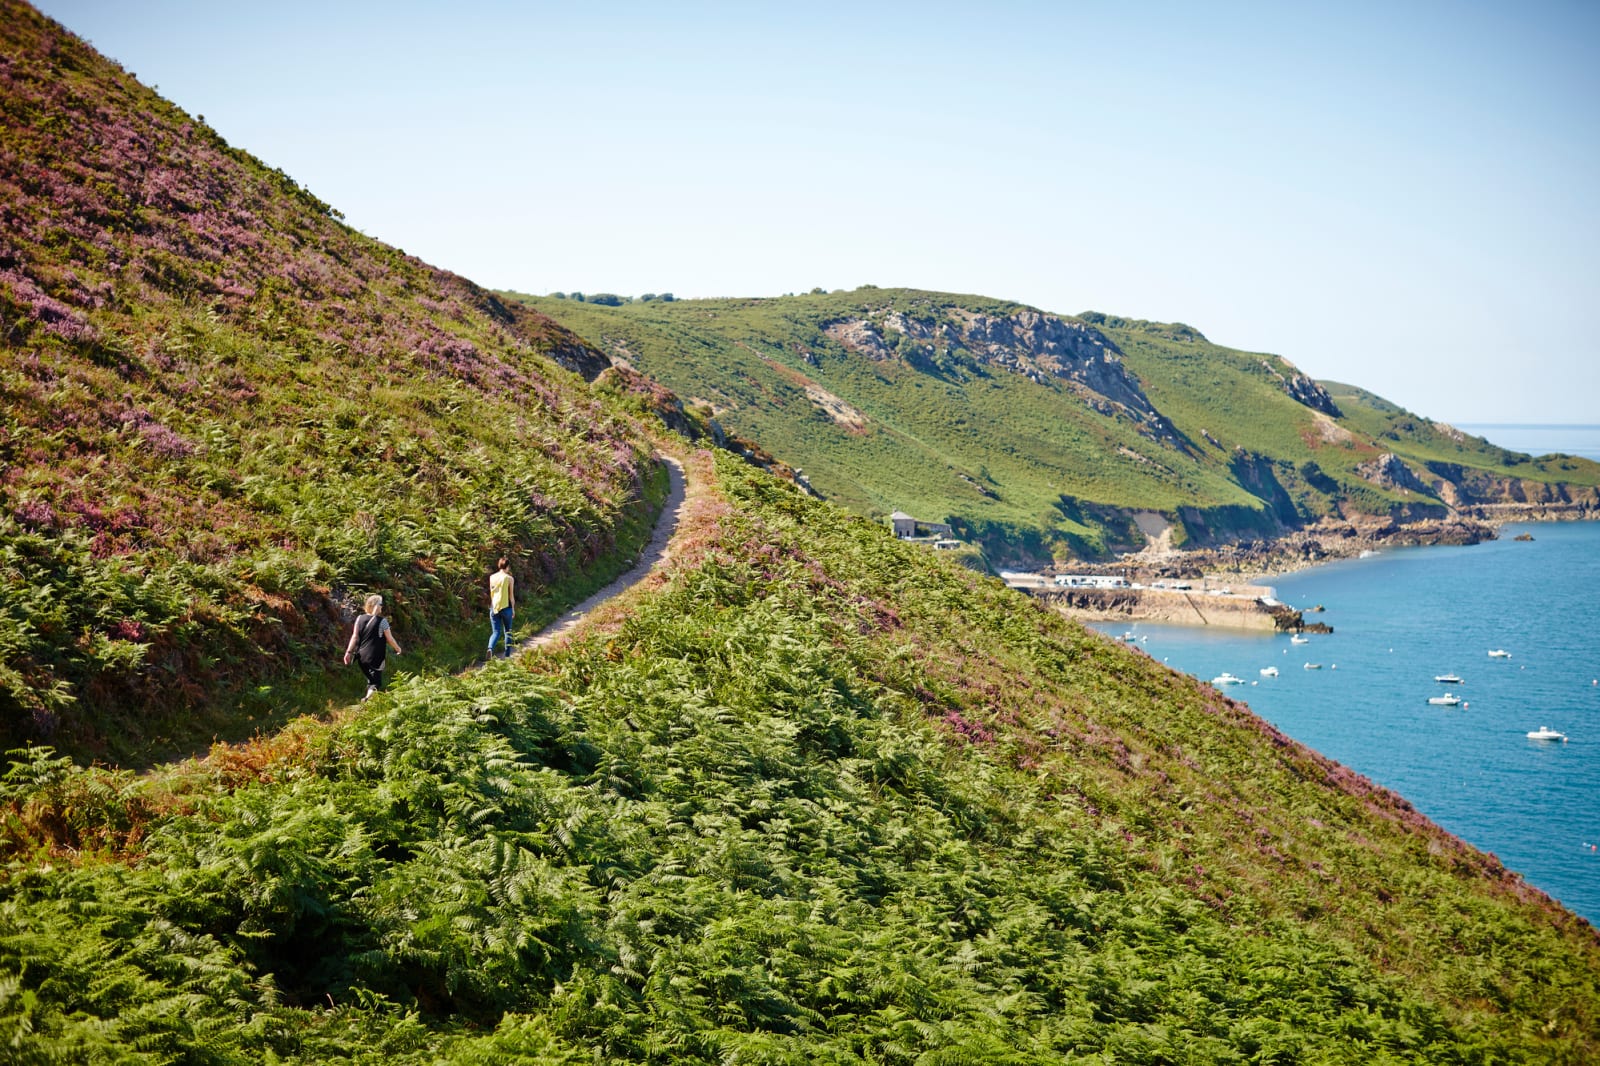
[[654, 554]]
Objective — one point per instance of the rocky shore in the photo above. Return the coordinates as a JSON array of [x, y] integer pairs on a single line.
[[1251, 561]]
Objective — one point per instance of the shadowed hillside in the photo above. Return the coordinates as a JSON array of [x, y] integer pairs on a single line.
[[229, 416]]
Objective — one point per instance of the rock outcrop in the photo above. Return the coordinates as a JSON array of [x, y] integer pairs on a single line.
[[1041, 347], [1389, 471], [1302, 388]]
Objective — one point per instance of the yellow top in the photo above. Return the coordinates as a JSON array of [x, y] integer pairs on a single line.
[[500, 584]]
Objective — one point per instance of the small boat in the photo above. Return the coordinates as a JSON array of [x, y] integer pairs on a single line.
[[1544, 732], [1499, 653], [1269, 671], [1448, 679], [1226, 678], [1449, 699], [1313, 666], [1297, 639], [1129, 637]]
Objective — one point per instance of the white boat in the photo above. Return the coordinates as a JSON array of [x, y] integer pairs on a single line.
[[1297, 639], [1499, 653], [1313, 666], [1448, 679], [1226, 678], [1544, 732], [1449, 699], [1269, 671], [1129, 637]]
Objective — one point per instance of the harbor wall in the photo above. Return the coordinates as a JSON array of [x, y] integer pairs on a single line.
[[1171, 606]]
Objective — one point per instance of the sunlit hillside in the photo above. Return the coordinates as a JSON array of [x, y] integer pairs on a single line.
[[817, 796], [228, 417], [1040, 434], [807, 794]]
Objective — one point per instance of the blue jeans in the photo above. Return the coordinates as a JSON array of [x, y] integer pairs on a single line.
[[500, 629]]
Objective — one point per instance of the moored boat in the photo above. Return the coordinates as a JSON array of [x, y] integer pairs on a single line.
[[1544, 732], [1499, 653], [1313, 666], [1269, 671], [1449, 699], [1448, 679], [1298, 639], [1226, 678]]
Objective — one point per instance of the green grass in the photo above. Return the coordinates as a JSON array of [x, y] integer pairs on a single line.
[[822, 797], [948, 436], [229, 417]]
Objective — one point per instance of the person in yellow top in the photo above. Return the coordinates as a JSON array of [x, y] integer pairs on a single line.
[[502, 588]]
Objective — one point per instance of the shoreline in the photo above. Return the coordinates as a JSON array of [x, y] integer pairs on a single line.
[[1257, 563]]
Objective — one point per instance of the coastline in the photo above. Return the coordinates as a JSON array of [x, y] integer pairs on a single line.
[[1256, 563]]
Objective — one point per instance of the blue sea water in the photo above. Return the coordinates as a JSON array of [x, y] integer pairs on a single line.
[[1537, 440], [1405, 615]]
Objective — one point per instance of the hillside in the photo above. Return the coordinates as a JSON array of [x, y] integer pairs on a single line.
[[1041, 435], [806, 795], [815, 796], [229, 416]]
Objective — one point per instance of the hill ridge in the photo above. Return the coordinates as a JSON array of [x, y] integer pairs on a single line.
[[1050, 460]]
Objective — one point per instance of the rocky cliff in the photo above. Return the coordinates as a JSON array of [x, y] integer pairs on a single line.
[[1044, 348]]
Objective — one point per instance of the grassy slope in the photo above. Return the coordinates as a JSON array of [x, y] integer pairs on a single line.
[[987, 446], [228, 417], [819, 797]]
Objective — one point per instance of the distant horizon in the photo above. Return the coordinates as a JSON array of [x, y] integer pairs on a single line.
[[1527, 425]]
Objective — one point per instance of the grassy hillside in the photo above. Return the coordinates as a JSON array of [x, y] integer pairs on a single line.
[[964, 408], [228, 417], [816, 797]]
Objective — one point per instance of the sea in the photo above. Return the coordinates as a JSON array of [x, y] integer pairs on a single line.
[[1406, 615]]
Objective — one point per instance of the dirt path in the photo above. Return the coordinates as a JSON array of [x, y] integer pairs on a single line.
[[653, 554]]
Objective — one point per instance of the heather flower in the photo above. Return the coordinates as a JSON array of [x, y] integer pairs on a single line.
[[35, 514], [164, 442]]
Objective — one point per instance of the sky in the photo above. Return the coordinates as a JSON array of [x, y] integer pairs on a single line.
[[1402, 196]]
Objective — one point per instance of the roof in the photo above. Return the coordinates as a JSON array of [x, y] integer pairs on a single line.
[[899, 515]]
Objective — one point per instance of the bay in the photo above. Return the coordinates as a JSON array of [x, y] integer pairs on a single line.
[[1405, 615]]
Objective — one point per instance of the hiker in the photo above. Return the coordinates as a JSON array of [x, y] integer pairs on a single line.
[[370, 641], [502, 587]]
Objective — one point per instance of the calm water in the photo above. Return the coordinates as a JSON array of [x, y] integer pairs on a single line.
[[1407, 614], [1539, 440]]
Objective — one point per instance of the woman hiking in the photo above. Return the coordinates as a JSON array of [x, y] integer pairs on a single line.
[[370, 642], [502, 590]]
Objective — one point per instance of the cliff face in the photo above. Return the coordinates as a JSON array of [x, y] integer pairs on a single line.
[[1041, 347], [1463, 487]]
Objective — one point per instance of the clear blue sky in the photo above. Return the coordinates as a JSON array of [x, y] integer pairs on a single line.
[[1405, 196]]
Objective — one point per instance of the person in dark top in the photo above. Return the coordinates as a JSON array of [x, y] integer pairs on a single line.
[[370, 642]]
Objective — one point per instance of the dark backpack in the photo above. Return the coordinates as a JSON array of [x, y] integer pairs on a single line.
[[370, 648]]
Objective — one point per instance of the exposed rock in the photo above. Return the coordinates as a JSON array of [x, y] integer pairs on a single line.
[[580, 358], [1302, 388], [1307, 391], [1038, 346], [1390, 471], [861, 336]]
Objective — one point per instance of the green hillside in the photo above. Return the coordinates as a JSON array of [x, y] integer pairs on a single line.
[[1044, 433], [819, 797], [228, 417], [809, 795]]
